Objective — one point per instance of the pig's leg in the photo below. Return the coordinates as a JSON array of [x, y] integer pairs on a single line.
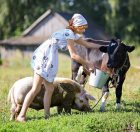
[[67, 109], [12, 109], [59, 109], [67, 104], [17, 110]]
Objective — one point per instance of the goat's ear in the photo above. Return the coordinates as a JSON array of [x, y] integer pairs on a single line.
[[103, 49], [130, 48]]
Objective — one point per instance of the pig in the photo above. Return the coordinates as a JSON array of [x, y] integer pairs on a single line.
[[67, 95]]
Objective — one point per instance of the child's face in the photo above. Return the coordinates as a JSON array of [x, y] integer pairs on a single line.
[[80, 29]]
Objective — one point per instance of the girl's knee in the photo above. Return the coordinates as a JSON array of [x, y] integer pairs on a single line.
[[50, 88], [33, 92]]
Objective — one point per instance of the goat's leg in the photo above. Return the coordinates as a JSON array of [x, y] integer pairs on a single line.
[[83, 79], [75, 67], [119, 93], [105, 92]]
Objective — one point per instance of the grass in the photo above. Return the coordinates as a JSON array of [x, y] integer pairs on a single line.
[[112, 120]]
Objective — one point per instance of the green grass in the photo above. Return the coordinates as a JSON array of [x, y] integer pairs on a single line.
[[110, 121], [135, 57]]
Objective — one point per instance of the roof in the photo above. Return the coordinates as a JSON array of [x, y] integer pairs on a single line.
[[49, 14], [46, 14], [94, 31], [29, 40]]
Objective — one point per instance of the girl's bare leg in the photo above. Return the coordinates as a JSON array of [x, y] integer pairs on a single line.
[[37, 81], [49, 88]]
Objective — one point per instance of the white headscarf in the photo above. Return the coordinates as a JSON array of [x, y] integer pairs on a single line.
[[79, 20]]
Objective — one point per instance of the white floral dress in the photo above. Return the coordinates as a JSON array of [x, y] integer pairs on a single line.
[[45, 58]]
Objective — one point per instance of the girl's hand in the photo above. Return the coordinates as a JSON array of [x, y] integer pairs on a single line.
[[89, 67]]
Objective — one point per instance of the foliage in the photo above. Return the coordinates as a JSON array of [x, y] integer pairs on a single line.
[[95, 9], [123, 21], [119, 18], [18, 15], [112, 120]]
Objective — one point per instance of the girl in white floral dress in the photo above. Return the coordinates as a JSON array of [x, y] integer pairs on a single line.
[[45, 61]]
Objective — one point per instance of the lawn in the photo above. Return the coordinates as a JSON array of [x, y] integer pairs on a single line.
[[128, 118]]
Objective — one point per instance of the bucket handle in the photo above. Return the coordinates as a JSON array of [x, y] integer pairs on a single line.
[[94, 71]]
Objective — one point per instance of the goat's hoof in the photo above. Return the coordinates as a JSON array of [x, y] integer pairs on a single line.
[[102, 109], [118, 106]]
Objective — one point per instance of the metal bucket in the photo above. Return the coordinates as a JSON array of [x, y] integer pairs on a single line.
[[98, 79]]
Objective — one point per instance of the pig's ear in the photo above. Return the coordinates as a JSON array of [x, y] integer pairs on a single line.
[[88, 96]]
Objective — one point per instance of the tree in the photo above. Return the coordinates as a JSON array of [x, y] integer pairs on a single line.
[[119, 18], [17, 15], [123, 20]]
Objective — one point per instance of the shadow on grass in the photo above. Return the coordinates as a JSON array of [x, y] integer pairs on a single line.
[[126, 107], [56, 115], [131, 106]]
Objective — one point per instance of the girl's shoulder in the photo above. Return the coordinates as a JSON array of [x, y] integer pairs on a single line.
[[64, 31], [69, 34], [68, 31]]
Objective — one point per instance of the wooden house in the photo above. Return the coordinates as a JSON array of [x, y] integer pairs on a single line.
[[40, 30]]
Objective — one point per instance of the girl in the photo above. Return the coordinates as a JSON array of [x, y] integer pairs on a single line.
[[45, 61]]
